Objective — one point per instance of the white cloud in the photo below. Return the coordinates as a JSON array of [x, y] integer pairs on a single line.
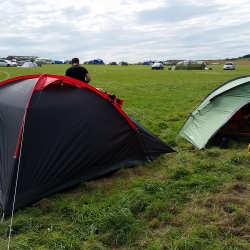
[[129, 30]]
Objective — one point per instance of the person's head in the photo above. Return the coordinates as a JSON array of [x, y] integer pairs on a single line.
[[75, 61]]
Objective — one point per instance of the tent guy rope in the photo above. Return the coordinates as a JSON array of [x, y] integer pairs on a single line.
[[14, 198]]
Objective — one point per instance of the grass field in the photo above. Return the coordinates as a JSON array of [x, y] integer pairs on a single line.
[[192, 199]]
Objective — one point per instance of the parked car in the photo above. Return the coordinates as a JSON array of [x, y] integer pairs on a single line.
[[48, 61], [39, 63], [229, 65], [157, 66], [7, 63], [167, 63], [45, 60], [20, 63]]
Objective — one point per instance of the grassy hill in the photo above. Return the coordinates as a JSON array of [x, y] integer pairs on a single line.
[[239, 61], [192, 199]]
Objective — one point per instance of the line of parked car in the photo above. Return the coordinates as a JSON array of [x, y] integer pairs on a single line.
[[226, 66], [15, 63], [7, 63]]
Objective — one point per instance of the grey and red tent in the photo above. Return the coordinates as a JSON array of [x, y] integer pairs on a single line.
[[56, 132]]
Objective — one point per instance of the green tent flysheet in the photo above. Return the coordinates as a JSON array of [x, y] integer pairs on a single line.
[[225, 111]]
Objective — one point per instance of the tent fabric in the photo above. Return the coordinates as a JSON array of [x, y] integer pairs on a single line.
[[57, 131], [216, 111], [147, 62], [58, 62], [29, 65], [122, 64], [190, 65], [96, 61]]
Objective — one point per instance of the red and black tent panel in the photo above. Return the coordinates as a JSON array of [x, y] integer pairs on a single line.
[[56, 131]]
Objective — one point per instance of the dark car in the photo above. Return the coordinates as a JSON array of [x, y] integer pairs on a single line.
[[157, 66]]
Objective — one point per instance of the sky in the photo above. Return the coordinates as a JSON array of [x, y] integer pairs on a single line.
[[125, 30]]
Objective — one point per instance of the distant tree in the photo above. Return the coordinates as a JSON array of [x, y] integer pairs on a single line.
[[246, 56]]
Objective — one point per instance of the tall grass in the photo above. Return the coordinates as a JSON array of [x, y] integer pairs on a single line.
[[188, 200]]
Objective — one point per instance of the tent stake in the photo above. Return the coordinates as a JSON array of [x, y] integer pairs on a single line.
[[3, 217]]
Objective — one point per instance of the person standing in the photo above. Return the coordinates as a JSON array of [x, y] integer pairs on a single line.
[[78, 72]]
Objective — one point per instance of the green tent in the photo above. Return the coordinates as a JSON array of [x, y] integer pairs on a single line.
[[112, 63], [190, 65], [122, 63], [225, 111]]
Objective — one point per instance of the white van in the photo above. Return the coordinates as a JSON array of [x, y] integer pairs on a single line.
[[45, 60]]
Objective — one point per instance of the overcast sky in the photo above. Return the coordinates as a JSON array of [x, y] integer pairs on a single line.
[[125, 30]]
